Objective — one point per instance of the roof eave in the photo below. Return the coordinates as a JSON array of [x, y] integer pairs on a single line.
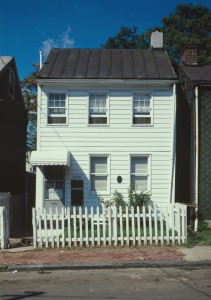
[[53, 82]]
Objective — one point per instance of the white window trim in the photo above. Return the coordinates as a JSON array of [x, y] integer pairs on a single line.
[[106, 192], [66, 107], [107, 106], [149, 156], [151, 108]]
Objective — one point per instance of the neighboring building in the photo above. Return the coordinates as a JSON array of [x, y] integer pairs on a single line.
[[13, 130], [195, 121], [106, 121], [13, 123]]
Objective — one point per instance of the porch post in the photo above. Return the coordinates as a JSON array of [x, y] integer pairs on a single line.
[[40, 188]]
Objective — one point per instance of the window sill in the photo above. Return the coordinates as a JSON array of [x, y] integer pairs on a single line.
[[55, 124], [142, 125], [98, 125]]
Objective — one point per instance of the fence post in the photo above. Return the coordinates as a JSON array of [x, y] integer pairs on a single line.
[[2, 228], [144, 225], [133, 225], [121, 226], [34, 224]]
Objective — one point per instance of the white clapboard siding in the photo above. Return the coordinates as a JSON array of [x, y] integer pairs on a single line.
[[119, 139], [80, 227]]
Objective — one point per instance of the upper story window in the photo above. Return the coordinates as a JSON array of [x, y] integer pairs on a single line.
[[142, 108], [57, 108], [140, 173], [98, 113], [11, 83]]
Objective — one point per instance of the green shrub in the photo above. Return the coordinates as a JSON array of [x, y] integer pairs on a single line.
[[138, 198], [116, 200], [135, 199], [200, 237], [203, 225]]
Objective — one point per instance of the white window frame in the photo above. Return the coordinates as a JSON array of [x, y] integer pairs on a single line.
[[101, 192], [143, 114], [98, 115], [63, 107], [148, 173]]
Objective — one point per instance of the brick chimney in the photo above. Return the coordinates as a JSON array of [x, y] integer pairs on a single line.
[[189, 56]]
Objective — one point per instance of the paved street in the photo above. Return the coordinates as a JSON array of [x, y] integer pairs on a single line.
[[167, 283]]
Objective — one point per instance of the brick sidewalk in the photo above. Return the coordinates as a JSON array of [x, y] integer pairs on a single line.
[[91, 255]]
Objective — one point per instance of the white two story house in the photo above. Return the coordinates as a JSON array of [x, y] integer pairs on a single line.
[[106, 122]]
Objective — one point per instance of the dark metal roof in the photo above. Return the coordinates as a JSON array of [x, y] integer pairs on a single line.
[[106, 64], [198, 74]]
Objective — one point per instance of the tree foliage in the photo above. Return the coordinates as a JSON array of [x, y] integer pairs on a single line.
[[29, 90], [126, 38], [187, 25]]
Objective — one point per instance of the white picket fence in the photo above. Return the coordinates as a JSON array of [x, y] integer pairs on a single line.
[[4, 229], [80, 227]]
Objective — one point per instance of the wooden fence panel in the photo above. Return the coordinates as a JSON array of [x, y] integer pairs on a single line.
[[110, 226]]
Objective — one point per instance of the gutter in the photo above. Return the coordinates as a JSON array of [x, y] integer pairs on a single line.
[[172, 187], [107, 81], [196, 158]]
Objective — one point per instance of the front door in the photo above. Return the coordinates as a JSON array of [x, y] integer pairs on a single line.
[[77, 192]]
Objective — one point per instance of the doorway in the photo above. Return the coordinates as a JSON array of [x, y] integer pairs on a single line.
[[77, 192]]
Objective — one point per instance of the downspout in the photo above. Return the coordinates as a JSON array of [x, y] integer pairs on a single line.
[[172, 188], [196, 158]]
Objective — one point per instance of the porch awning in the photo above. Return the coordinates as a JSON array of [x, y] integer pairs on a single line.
[[50, 158]]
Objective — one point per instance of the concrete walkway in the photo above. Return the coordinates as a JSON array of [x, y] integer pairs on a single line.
[[28, 258], [197, 253]]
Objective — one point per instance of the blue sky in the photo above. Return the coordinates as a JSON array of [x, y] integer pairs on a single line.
[[26, 27]]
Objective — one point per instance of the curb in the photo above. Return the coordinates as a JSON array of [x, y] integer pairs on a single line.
[[104, 265]]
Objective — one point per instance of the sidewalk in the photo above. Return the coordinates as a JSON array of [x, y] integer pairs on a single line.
[[27, 258]]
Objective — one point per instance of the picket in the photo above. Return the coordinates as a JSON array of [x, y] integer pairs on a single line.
[[84, 226]]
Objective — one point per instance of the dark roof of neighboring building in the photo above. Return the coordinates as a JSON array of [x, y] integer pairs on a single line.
[[198, 74], [107, 64], [4, 60]]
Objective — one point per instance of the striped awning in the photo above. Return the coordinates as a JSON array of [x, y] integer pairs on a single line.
[[50, 158]]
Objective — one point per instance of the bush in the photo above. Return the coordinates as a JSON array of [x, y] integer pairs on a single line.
[[135, 199], [116, 200], [138, 198], [200, 237]]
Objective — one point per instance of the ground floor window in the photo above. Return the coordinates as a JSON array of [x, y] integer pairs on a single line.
[[99, 173], [54, 182], [140, 173]]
